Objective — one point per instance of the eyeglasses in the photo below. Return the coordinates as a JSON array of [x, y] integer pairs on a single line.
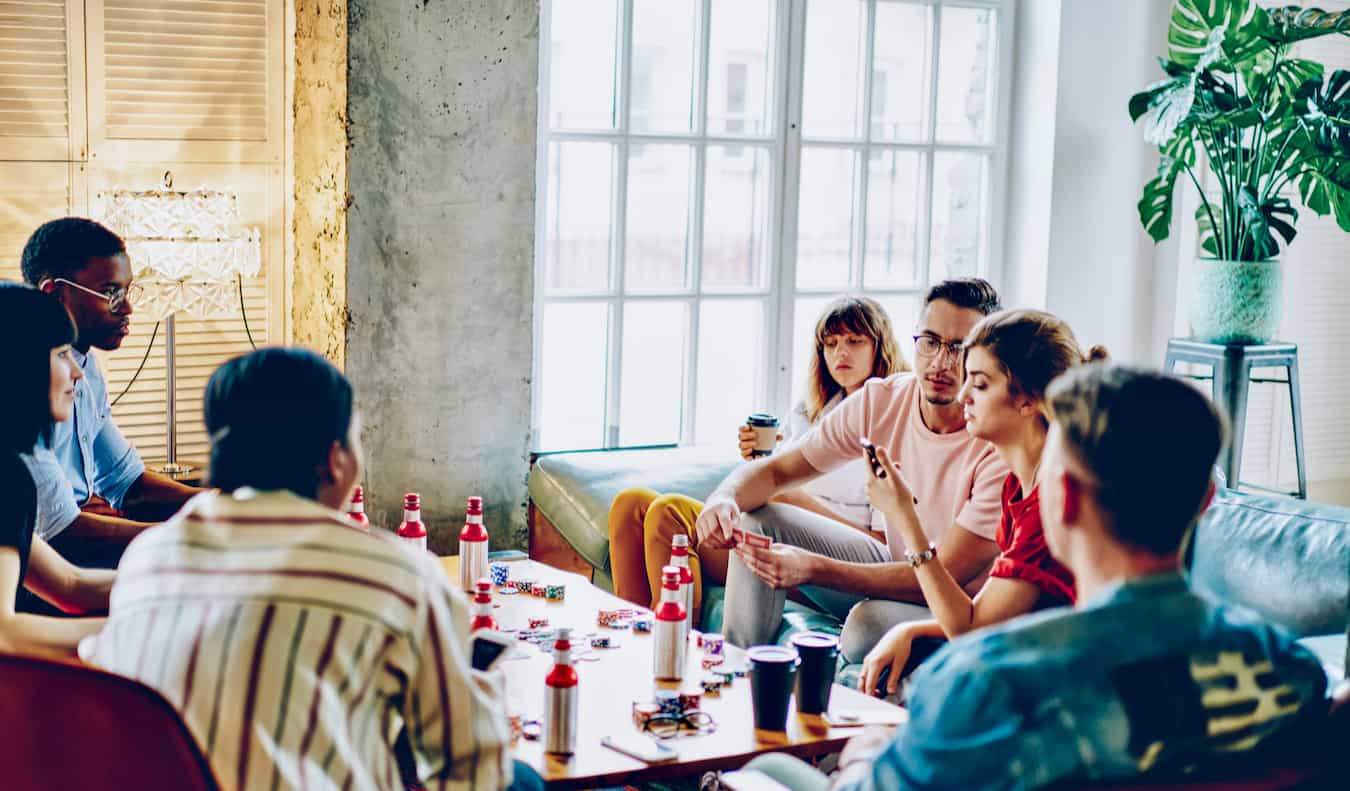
[[117, 298], [929, 346], [666, 725]]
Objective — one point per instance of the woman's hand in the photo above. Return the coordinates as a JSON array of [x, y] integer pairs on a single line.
[[745, 437], [889, 495], [892, 651]]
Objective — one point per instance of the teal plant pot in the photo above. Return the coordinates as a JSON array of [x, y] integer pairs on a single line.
[[1235, 301]]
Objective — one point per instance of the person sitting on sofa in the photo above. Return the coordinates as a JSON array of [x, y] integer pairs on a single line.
[[1011, 357], [956, 477], [94, 493], [39, 392], [293, 645], [1143, 674], [853, 343]]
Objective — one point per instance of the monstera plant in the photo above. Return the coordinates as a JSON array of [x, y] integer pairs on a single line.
[[1269, 125]]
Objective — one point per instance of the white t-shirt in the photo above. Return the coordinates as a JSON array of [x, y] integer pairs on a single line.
[[844, 490]]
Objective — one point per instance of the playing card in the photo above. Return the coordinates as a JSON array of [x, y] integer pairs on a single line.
[[756, 540], [737, 535]]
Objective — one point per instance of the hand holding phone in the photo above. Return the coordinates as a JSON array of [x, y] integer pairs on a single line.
[[872, 459], [489, 647]]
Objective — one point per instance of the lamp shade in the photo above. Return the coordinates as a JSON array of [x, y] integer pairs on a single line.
[[186, 249]]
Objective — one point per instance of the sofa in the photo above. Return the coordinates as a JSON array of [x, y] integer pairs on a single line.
[[1285, 558]]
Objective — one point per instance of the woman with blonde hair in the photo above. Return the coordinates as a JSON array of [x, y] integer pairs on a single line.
[[853, 343], [1010, 359]]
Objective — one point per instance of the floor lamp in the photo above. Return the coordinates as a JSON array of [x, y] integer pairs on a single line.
[[188, 251]]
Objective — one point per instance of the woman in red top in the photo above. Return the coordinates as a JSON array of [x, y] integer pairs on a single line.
[[1010, 359]]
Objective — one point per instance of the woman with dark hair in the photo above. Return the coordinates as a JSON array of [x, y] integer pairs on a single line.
[[853, 343], [40, 391], [1010, 359]]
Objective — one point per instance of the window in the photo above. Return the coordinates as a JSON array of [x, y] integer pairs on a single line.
[[712, 172], [106, 94]]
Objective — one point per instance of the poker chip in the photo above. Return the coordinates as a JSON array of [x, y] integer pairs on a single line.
[[555, 592], [712, 686], [507, 590], [538, 623], [499, 573], [642, 625], [668, 701], [712, 644], [643, 712], [690, 701], [711, 661], [600, 642]]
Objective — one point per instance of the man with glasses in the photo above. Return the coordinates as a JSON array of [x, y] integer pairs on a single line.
[[956, 478], [89, 478]]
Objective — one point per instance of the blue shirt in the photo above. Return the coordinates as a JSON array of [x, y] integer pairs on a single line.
[[87, 455], [1146, 675]]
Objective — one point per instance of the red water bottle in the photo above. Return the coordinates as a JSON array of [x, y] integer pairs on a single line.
[[411, 529], [482, 606], [679, 558], [560, 698], [473, 545], [356, 510], [671, 629]]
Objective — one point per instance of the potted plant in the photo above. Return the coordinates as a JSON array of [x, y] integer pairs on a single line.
[[1267, 123]]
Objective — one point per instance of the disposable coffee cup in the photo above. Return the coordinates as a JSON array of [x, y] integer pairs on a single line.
[[772, 671], [815, 676], [765, 427]]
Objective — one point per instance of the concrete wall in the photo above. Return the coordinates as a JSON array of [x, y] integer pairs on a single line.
[[442, 107], [318, 180]]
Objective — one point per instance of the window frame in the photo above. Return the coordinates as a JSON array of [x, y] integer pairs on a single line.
[[778, 290]]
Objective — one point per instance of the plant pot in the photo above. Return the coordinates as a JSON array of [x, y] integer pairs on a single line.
[[1235, 301]]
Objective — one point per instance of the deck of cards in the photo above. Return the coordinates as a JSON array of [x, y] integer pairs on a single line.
[[739, 536]]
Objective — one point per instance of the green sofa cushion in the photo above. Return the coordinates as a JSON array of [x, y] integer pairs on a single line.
[[574, 490]]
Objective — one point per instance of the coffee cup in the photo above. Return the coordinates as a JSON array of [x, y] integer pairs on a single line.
[[765, 427], [772, 671], [819, 654]]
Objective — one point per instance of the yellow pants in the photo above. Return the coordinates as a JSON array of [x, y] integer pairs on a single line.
[[642, 525]]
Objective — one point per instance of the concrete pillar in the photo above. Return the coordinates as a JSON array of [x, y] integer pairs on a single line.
[[442, 108]]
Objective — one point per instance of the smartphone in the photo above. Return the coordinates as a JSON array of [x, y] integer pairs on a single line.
[[882, 678], [872, 459], [489, 647], [643, 748]]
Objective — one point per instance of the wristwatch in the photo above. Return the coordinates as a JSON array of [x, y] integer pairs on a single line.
[[916, 560]]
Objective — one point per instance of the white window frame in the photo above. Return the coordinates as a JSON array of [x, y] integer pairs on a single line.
[[778, 289]]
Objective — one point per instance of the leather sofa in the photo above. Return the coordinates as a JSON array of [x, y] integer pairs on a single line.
[[1287, 559]]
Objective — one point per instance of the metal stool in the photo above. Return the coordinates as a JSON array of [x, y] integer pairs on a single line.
[[1231, 371]]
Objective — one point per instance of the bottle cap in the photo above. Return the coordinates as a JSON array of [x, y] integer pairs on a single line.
[[564, 635], [483, 585], [670, 575], [358, 496], [474, 506], [680, 540], [412, 501]]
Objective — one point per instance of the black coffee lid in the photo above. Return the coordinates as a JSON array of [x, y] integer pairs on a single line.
[[815, 640], [771, 653], [761, 419]]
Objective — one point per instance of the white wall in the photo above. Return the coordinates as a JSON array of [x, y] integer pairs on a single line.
[[1075, 244]]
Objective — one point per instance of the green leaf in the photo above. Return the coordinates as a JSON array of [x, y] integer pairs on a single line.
[[1324, 187], [1292, 23], [1236, 24], [1327, 112], [1290, 75], [1155, 207], [1260, 221], [1205, 228]]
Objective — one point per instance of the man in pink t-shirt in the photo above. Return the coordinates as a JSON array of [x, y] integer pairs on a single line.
[[955, 477]]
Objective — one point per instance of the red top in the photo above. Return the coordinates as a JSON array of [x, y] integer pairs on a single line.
[[1024, 555]]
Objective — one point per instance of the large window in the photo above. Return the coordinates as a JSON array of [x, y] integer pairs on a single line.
[[712, 172]]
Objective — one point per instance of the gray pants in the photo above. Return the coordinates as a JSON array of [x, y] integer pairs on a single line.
[[754, 611]]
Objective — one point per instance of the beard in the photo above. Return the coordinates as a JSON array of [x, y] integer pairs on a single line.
[[939, 400]]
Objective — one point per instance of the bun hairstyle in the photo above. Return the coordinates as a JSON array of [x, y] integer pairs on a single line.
[[1032, 348], [860, 316], [273, 416]]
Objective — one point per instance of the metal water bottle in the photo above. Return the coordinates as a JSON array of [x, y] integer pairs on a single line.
[[679, 558], [671, 629], [560, 698], [473, 546], [411, 529], [356, 510], [482, 606]]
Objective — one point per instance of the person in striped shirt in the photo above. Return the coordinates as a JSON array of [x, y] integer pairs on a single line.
[[298, 648]]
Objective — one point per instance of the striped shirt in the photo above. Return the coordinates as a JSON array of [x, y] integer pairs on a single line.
[[297, 648]]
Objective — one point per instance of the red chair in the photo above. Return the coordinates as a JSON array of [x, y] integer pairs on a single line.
[[69, 726]]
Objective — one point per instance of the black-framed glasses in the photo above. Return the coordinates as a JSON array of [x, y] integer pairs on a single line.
[[929, 346], [666, 725], [117, 298]]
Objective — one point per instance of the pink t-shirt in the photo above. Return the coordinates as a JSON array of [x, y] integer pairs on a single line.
[[957, 478]]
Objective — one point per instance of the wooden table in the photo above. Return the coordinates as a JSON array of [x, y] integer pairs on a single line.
[[618, 676]]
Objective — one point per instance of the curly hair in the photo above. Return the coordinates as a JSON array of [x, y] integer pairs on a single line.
[[60, 248]]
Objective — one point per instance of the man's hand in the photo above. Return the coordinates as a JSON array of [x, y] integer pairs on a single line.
[[715, 523], [780, 565], [891, 651], [890, 494]]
